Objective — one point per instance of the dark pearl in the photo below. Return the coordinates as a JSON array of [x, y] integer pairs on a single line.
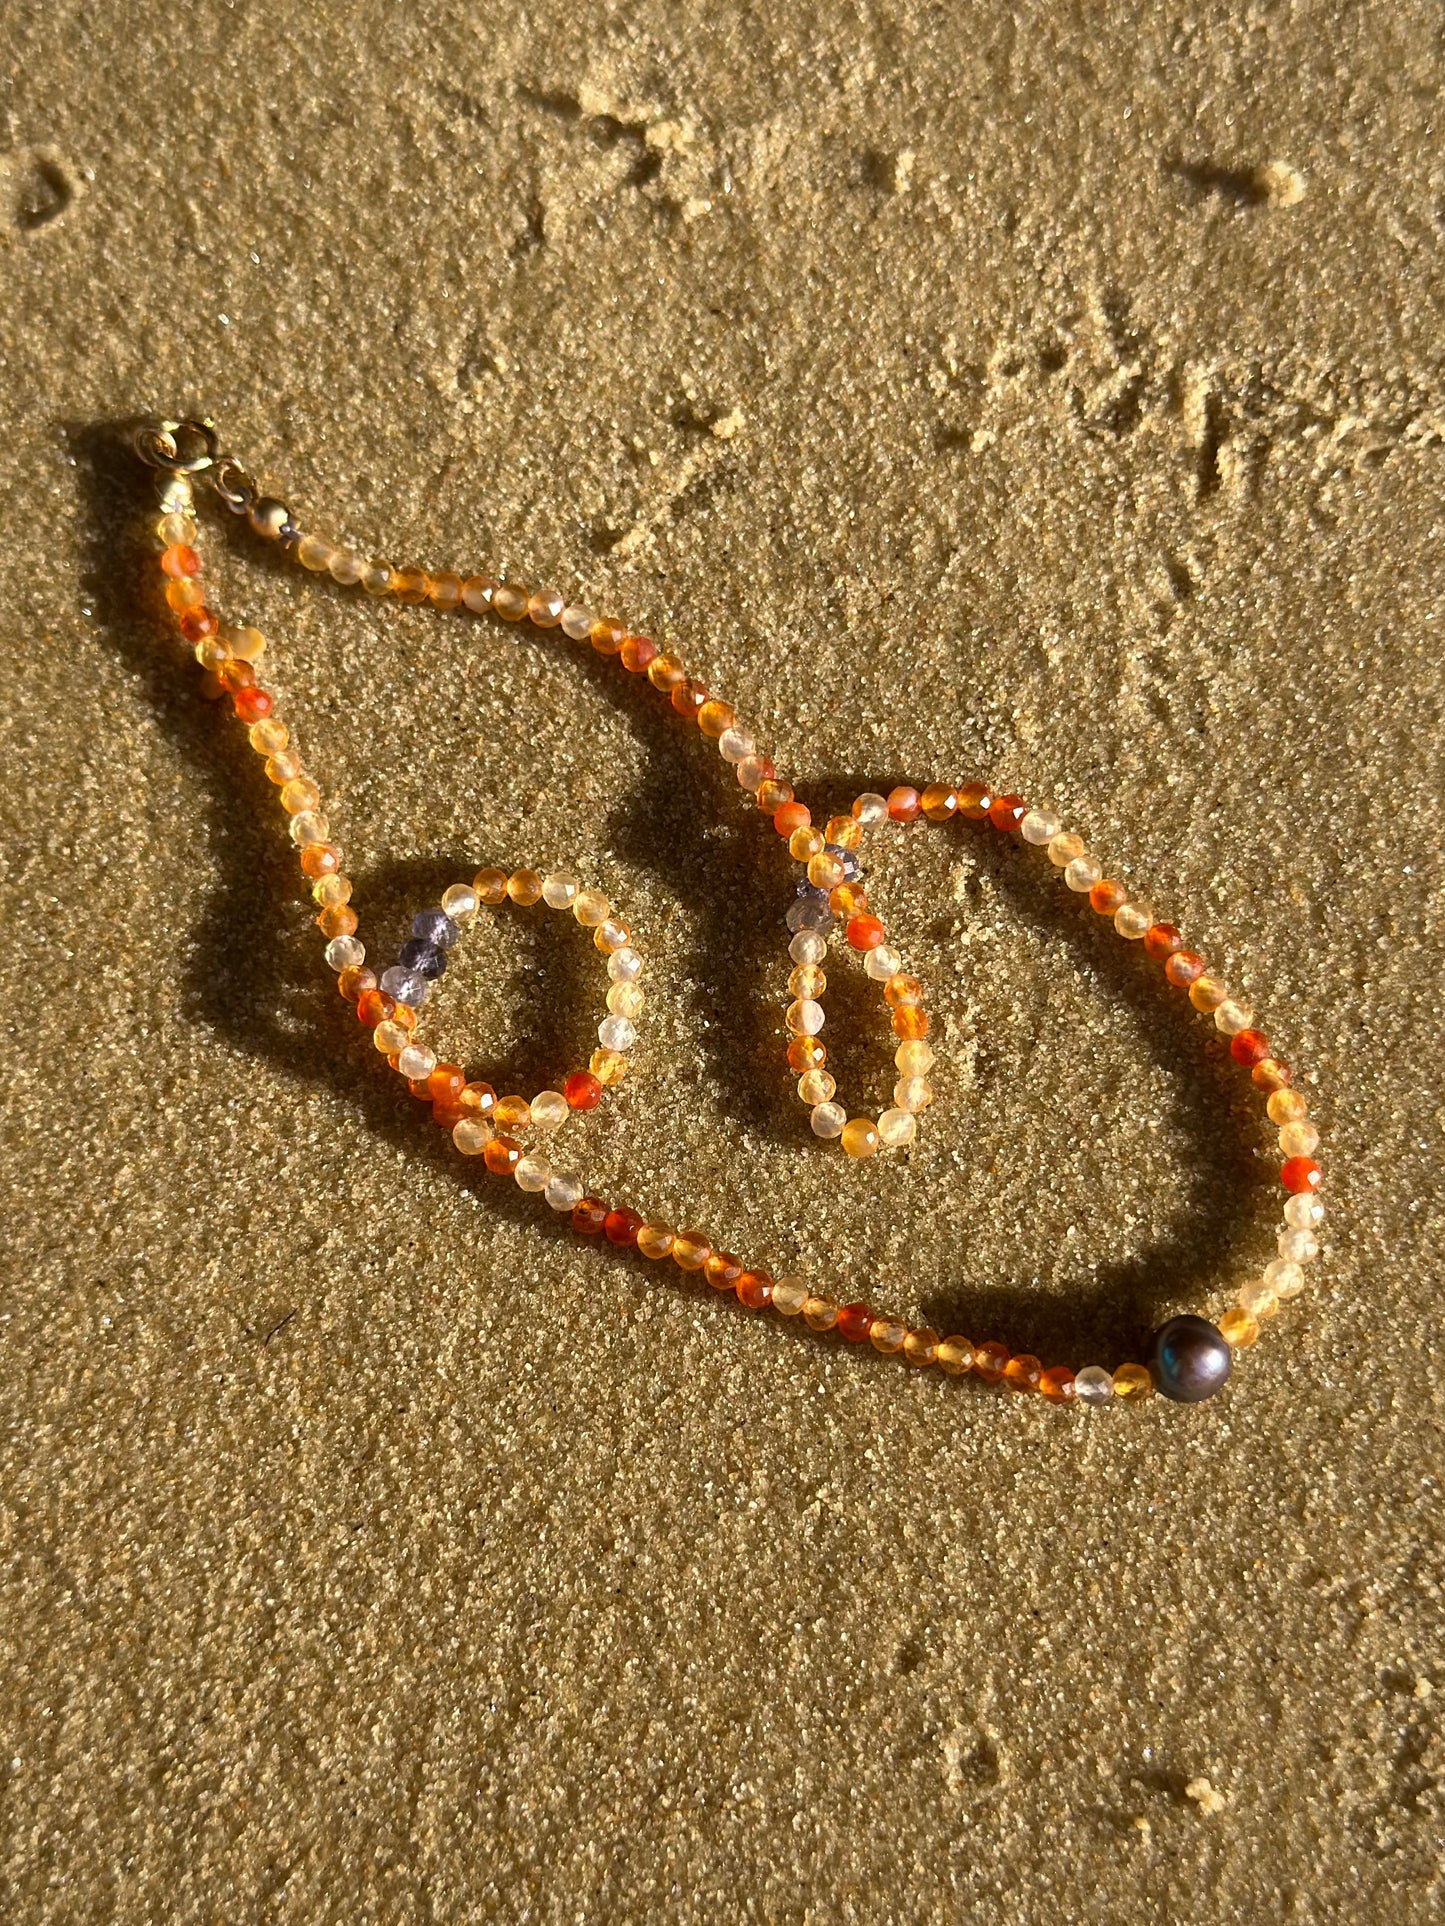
[[423, 957], [1189, 1359], [436, 927]]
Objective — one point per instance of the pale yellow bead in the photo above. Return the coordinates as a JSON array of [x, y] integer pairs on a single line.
[[315, 552], [1299, 1140], [247, 645], [914, 1059], [591, 908], [1231, 1017], [471, 1136], [1238, 1329], [816, 1086], [177, 531], [391, 1038], [1081, 874], [559, 890], [897, 1128], [807, 981], [625, 999], [1286, 1106], [1065, 848], [550, 1109], [298, 794], [887, 1334], [1208, 993], [805, 843], [608, 1066], [1258, 1299], [912, 1093], [1131, 920], [790, 1294]]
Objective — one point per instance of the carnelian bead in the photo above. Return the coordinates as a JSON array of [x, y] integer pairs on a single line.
[[374, 1007], [251, 705], [665, 672], [1184, 968], [848, 899], [939, 802], [806, 1053], [197, 623], [715, 718], [476, 1099], [419, 1089], [910, 1022], [320, 859], [446, 1082], [866, 933], [1161, 940], [902, 989], [236, 675], [337, 922], [772, 794], [755, 1289], [411, 585], [1270, 1075], [1300, 1175], [180, 560], [589, 1215], [974, 801], [921, 1346], [405, 1016], [1107, 897], [637, 652], [792, 817], [582, 1090], [621, 1227], [904, 804], [445, 591], [1057, 1384], [690, 1250], [655, 1240], [1023, 1372], [607, 636], [1007, 812], [855, 1321], [354, 983], [524, 886], [1249, 1047], [513, 1113], [502, 1156], [447, 1115], [989, 1361], [688, 698], [490, 885], [955, 1354], [723, 1270]]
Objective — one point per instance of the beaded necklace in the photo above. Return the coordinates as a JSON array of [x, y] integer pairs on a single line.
[[1188, 1358]]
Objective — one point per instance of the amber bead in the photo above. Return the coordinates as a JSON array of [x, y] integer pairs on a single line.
[[251, 705], [1133, 1383], [1057, 1384], [820, 1313], [501, 1156], [445, 591], [939, 802], [902, 989], [904, 803], [1238, 1329], [1023, 1372], [690, 1250], [337, 922], [755, 1289], [180, 559], [490, 885], [476, 1100], [1007, 812], [1300, 1175], [655, 1240], [859, 1137], [956, 1356], [1107, 897], [320, 859], [353, 984], [410, 585], [1286, 1106], [848, 899], [1249, 1047], [790, 818], [1270, 1074], [524, 886], [772, 794], [688, 697], [855, 1321], [589, 1215], [608, 1066], [637, 652], [866, 933], [184, 595], [374, 1007], [621, 1227], [477, 590], [665, 672], [197, 623], [723, 1270], [607, 636], [404, 1017], [921, 1346], [446, 1082], [236, 675], [513, 1113], [806, 1053], [1162, 940], [1183, 968], [888, 1335], [582, 1090], [910, 1022], [974, 801], [989, 1361], [715, 718]]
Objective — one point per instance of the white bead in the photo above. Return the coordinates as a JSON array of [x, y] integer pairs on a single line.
[[559, 890], [1299, 1246], [1040, 826], [1304, 1212], [532, 1173], [616, 1033], [416, 1061], [1133, 920], [1231, 1017], [624, 965], [912, 1093], [563, 1190], [882, 963], [870, 809], [828, 1120], [577, 622], [461, 902], [1284, 1278], [804, 1017], [550, 1109], [1299, 1140], [808, 947], [1094, 1385], [345, 953], [1259, 1298], [897, 1127], [735, 745], [1082, 874]]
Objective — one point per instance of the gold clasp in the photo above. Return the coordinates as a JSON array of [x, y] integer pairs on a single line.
[[184, 447]]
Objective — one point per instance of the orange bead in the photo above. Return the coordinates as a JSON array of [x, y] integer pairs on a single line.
[[490, 885], [1007, 812], [1057, 1384], [476, 1100], [180, 560], [665, 672], [974, 801], [236, 675], [806, 1053], [524, 886], [1270, 1075], [445, 591], [955, 1354], [1300, 1175], [910, 1023], [185, 594], [353, 984], [195, 624], [509, 600], [791, 817], [904, 803], [374, 1007], [1184, 968], [690, 1250], [1107, 896], [1161, 940], [1249, 1047], [502, 1156], [715, 718], [620, 1227], [848, 899], [1023, 1372], [410, 585], [589, 1216], [866, 933], [687, 698], [320, 859], [513, 1113], [989, 1361], [723, 1270], [252, 705], [637, 652], [607, 636], [755, 1289], [337, 922], [921, 1346], [772, 794], [655, 1240], [446, 1083], [582, 1090], [901, 989], [939, 802], [855, 1322]]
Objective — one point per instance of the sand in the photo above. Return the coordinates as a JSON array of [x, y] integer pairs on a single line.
[[1049, 395]]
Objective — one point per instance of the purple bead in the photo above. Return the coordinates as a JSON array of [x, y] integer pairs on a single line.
[[423, 957], [811, 913], [405, 985], [435, 926]]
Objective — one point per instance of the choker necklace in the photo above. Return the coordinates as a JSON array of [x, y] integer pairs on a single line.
[[1188, 1358]]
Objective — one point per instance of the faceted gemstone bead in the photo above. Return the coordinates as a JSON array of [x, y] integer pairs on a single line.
[[374, 1007], [820, 1313], [340, 921], [308, 827], [690, 1250], [687, 699], [1284, 1278], [825, 870], [1232, 1017], [180, 560], [1304, 1211], [855, 1322], [1107, 897], [353, 984], [773, 794], [490, 885], [621, 1227], [1161, 941], [378, 578], [1039, 827], [509, 600], [577, 620], [975, 800], [790, 1294], [1183, 968], [446, 1082], [471, 1136], [532, 1173], [1299, 1140], [1286, 1106], [1132, 1383], [806, 1053], [791, 818], [755, 1289], [665, 672], [407, 986], [828, 1120], [1007, 812], [589, 1214], [714, 718], [1270, 1074], [654, 1240], [1058, 1384], [804, 842], [955, 1354], [1132, 920], [910, 1022], [409, 585], [804, 1017], [184, 595], [607, 636], [816, 1086], [422, 957], [608, 1066], [637, 654], [808, 947], [1065, 848], [1300, 1174], [476, 592], [866, 933], [912, 1094], [1022, 1373], [435, 926], [582, 1090], [513, 1113], [904, 803], [807, 980], [869, 808], [550, 1110], [590, 907], [617, 1033], [344, 953], [251, 705], [848, 899], [939, 801], [888, 1335], [391, 1037], [268, 738], [1238, 1329], [314, 552], [990, 1361], [544, 608], [920, 1346], [563, 1190], [1258, 1299], [860, 1137], [1249, 1047], [1094, 1385], [559, 890], [1189, 1359], [417, 1061], [914, 1059], [524, 886], [897, 1128], [723, 1270], [1206, 993], [901, 989], [445, 590], [843, 831]]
